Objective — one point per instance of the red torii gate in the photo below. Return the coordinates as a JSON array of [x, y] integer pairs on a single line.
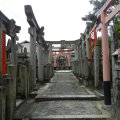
[[101, 14], [61, 52]]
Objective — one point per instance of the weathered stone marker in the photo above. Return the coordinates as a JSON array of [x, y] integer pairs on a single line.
[[23, 77], [40, 63], [9, 97], [8, 87], [32, 32], [2, 103], [96, 65], [27, 64], [36, 35], [12, 73]]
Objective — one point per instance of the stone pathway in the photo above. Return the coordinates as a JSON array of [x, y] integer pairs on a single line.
[[63, 98]]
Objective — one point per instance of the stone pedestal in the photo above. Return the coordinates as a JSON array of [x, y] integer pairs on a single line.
[[1, 46], [2, 103], [23, 78], [12, 74], [117, 100], [9, 98]]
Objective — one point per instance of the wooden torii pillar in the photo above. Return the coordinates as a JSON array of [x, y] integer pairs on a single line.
[[3, 53], [106, 61], [105, 47], [101, 14]]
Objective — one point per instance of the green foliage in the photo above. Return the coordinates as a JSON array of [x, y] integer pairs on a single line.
[[91, 15], [97, 4], [117, 30]]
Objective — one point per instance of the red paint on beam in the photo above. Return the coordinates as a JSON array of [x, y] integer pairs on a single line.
[[90, 41], [112, 14], [104, 7], [95, 37], [93, 28], [3, 53]]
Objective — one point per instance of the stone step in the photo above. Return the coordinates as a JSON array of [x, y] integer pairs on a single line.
[[33, 94], [71, 117], [61, 110], [39, 98]]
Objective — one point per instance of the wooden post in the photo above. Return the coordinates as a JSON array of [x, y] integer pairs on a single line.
[[91, 54], [0, 47], [3, 53], [106, 62]]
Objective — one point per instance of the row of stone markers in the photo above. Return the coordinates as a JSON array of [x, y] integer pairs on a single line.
[[20, 72], [83, 67], [36, 67], [92, 52], [7, 70], [44, 51]]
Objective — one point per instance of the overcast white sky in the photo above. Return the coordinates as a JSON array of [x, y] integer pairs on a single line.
[[61, 18]]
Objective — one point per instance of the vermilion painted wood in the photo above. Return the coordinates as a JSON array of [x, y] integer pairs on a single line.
[[105, 49], [3, 53], [95, 37], [104, 7], [90, 41]]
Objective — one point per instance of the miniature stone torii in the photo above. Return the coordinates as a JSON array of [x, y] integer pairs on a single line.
[[36, 34], [7, 27], [8, 71], [63, 46]]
